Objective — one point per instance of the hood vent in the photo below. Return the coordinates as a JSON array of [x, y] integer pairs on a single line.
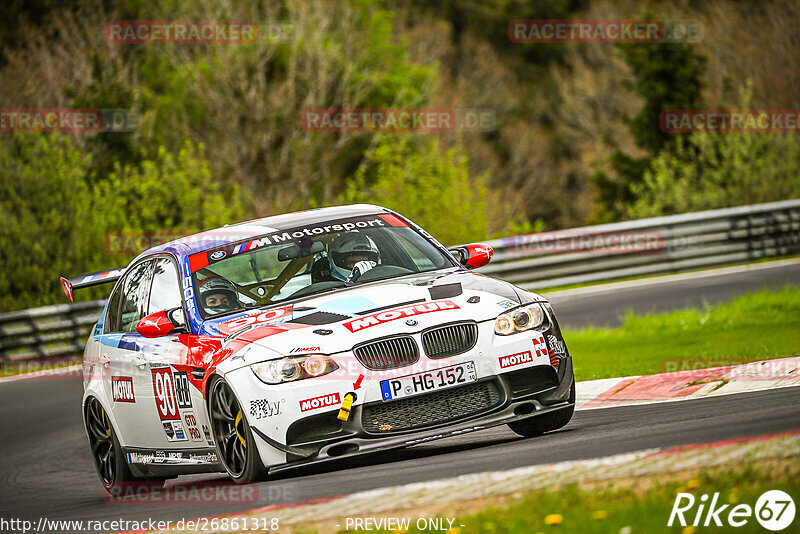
[[445, 291]]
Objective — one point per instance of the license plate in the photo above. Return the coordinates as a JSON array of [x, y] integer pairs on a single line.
[[446, 377]]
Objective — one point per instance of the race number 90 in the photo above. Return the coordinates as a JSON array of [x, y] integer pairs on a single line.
[[164, 389]]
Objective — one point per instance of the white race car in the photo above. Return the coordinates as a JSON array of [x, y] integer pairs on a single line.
[[306, 337]]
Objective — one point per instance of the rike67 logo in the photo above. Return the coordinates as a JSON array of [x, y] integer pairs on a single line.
[[774, 510]]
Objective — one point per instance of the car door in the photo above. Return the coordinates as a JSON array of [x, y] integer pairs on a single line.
[[120, 359], [172, 408]]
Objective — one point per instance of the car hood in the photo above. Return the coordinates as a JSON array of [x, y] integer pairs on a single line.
[[337, 321]]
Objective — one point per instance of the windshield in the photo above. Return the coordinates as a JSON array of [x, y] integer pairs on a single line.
[[299, 262]]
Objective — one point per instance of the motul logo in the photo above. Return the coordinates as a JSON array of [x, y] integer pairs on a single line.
[[122, 389], [319, 402], [375, 319], [516, 359]]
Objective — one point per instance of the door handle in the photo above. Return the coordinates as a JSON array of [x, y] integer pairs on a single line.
[[139, 360]]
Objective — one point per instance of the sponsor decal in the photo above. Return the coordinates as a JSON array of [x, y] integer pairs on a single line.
[[173, 457], [191, 427], [263, 408], [304, 349], [203, 259], [182, 393], [556, 346], [516, 359], [169, 430], [122, 389], [322, 401], [376, 319], [507, 304], [270, 316], [173, 430], [539, 346], [207, 434]]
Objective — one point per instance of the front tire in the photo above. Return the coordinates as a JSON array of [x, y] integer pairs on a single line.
[[536, 426], [236, 448]]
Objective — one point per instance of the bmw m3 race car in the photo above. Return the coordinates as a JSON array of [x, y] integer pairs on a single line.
[[307, 337]]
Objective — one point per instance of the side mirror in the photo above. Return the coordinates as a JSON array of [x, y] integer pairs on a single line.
[[473, 256], [163, 323]]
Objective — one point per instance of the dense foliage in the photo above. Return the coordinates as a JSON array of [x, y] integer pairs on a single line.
[[220, 136]]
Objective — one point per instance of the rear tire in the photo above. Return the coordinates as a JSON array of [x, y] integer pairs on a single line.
[[106, 452], [536, 426], [236, 449]]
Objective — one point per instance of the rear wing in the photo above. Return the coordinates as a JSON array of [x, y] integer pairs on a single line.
[[89, 280]]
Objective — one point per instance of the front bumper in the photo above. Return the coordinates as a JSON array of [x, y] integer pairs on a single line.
[[323, 437]]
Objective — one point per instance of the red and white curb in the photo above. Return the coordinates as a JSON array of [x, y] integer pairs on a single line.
[[684, 385]]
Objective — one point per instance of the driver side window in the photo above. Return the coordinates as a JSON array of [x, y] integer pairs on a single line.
[[165, 293]]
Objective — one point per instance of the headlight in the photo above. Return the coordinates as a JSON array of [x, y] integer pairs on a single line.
[[293, 368], [519, 320]]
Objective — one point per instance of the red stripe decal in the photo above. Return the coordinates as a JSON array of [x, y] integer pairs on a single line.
[[392, 220], [198, 261]]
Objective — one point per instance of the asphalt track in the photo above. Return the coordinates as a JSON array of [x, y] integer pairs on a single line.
[[46, 471]]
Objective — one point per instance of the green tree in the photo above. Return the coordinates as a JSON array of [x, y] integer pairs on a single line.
[[667, 76], [432, 187], [708, 170], [168, 192], [56, 216], [44, 207]]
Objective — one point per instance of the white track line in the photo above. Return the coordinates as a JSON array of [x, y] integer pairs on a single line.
[[615, 286]]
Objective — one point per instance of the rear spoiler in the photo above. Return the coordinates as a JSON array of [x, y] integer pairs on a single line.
[[89, 280]]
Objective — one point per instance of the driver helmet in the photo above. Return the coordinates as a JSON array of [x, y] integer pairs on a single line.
[[347, 250], [218, 295]]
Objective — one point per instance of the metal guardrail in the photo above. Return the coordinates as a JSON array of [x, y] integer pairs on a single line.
[[579, 255], [648, 246], [50, 331]]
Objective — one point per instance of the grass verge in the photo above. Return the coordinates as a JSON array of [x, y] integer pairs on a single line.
[[752, 327], [627, 505]]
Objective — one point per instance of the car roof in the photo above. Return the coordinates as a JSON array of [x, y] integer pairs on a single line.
[[232, 233]]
